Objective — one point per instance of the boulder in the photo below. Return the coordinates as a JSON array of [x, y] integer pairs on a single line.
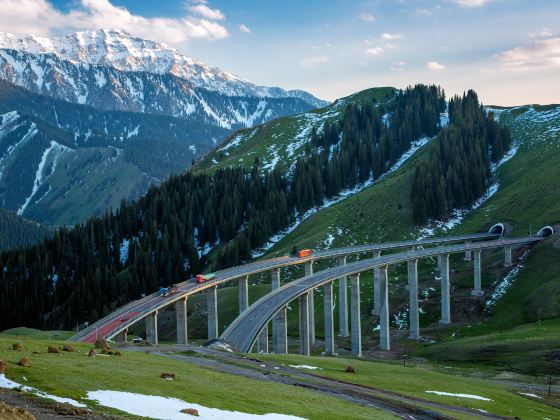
[[4, 366], [349, 369], [24, 362], [92, 353], [168, 375], [17, 347], [69, 348], [191, 411], [54, 349], [101, 343]]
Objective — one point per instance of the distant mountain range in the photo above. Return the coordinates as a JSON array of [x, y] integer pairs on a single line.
[[95, 117]]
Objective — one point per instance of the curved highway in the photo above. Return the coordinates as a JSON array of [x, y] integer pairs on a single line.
[[243, 332], [131, 313]]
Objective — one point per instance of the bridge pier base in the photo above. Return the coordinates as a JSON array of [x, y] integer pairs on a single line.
[[413, 305], [329, 324], [384, 331], [212, 308], [262, 343], [342, 302], [181, 313], [304, 324], [477, 291], [311, 305], [507, 256], [151, 328], [376, 293], [279, 326], [468, 254], [355, 315], [445, 291], [243, 293]]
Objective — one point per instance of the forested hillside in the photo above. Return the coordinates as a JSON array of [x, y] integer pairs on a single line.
[[80, 274], [17, 232]]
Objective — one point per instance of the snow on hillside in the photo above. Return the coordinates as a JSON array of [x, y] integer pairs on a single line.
[[122, 51]]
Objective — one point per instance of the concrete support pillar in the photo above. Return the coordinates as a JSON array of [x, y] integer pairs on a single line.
[[355, 315], [122, 337], [279, 326], [311, 305], [342, 302], [304, 324], [262, 343], [151, 328], [468, 253], [376, 294], [384, 321], [329, 324], [243, 293], [181, 313], [445, 291], [413, 305], [280, 334], [212, 308], [439, 263], [507, 256], [477, 291]]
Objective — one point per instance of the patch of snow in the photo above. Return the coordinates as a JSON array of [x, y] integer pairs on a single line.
[[123, 251], [57, 150], [449, 394], [306, 367], [9, 384], [443, 119], [133, 132], [503, 286], [192, 148], [531, 395], [166, 408]]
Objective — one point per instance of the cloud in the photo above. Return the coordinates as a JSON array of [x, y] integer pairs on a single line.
[[543, 33], [390, 37], [245, 29], [398, 65], [423, 12], [434, 65], [374, 51], [206, 12], [367, 17], [314, 61], [40, 17], [537, 54], [471, 3]]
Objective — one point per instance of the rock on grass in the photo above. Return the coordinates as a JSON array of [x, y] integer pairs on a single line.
[[168, 375], [25, 362], [17, 347], [14, 413], [3, 366], [191, 411]]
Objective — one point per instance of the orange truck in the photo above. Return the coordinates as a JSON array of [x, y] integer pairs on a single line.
[[304, 253], [201, 278]]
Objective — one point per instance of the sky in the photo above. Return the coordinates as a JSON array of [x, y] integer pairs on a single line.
[[506, 50]]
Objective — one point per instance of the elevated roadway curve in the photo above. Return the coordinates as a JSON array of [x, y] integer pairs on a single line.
[[243, 332], [129, 314]]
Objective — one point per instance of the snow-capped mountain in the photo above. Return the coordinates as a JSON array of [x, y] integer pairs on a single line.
[[122, 52]]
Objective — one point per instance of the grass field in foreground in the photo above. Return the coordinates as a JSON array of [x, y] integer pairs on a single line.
[[415, 381], [74, 374]]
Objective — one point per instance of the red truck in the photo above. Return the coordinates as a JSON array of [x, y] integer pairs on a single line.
[[305, 253], [201, 278]]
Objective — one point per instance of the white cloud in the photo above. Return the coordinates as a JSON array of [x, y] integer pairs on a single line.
[[390, 37], [537, 54], [206, 12], [245, 29], [423, 12], [471, 3], [398, 65], [434, 65], [40, 17], [314, 61], [374, 51], [367, 17], [543, 33]]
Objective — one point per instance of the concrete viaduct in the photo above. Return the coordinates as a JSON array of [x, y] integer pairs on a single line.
[[251, 326]]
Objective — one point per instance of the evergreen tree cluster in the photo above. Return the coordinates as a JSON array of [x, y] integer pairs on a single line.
[[367, 141], [83, 273], [457, 171]]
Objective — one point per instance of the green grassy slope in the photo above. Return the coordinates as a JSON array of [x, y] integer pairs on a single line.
[[73, 374]]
